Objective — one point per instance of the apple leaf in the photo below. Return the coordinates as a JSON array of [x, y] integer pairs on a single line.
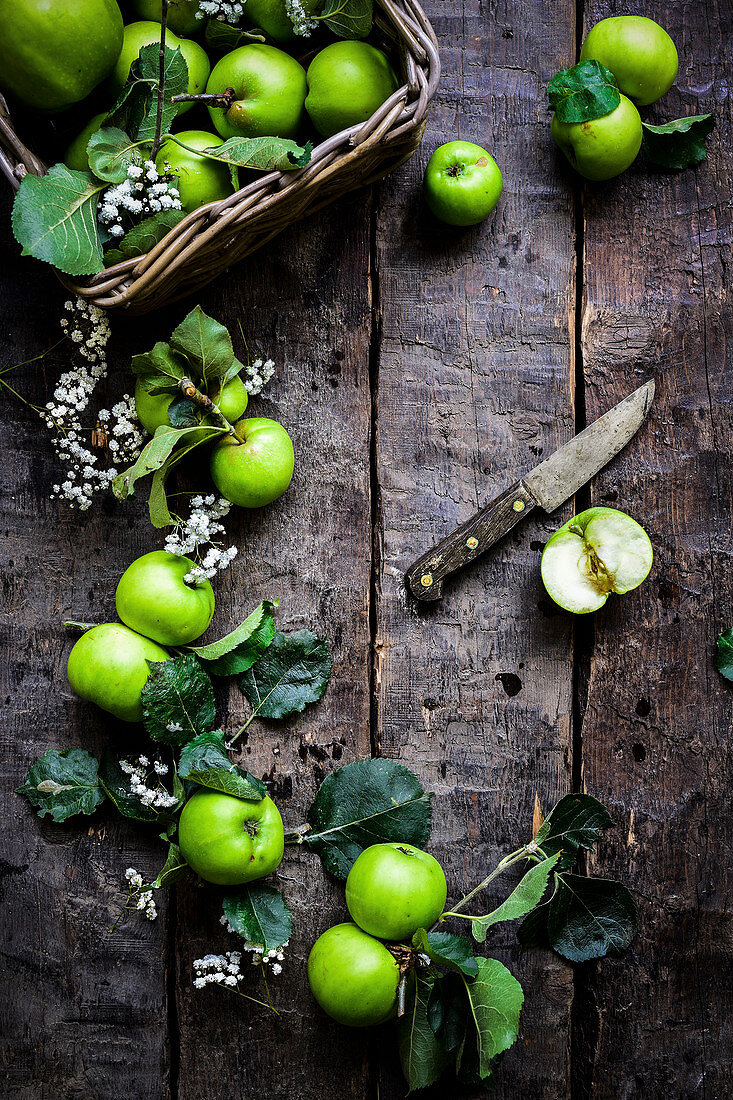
[[259, 914], [118, 787], [144, 236], [422, 1055], [205, 761], [155, 453], [63, 784], [183, 413], [178, 700], [367, 802], [264, 153], [237, 651], [724, 654], [496, 999], [111, 152], [293, 671], [447, 1011], [446, 949], [348, 18], [55, 219], [678, 144], [135, 109], [158, 509], [590, 917], [174, 868], [159, 370], [575, 822], [205, 345], [525, 897], [223, 37], [585, 92]]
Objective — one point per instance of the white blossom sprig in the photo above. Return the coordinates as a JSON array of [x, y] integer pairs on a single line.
[[226, 971], [226, 11], [145, 191], [303, 24], [201, 527], [146, 783], [139, 897], [258, 374], [272, 958]]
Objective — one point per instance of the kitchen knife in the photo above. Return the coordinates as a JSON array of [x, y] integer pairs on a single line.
[[547, 486]]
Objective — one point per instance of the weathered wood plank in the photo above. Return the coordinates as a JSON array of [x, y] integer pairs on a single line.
[[656, 729], [475, 383]]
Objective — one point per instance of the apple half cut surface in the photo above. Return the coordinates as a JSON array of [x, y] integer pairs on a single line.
[[595, 553]]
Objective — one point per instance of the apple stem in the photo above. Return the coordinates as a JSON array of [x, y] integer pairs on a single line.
[[223, 99], [401, 996], [77, 627], [189, 389], [161, 82], [295, 836], [507, 861]]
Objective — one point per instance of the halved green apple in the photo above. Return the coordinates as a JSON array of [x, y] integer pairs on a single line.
[[595, 553]]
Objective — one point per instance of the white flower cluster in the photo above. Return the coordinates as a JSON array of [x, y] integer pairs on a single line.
[[202, 526], [155, 798], [273, 958], [145, 901], [227, 11], [124, 436], [144, 191], [303, 25], [259, 374], [218, 970]]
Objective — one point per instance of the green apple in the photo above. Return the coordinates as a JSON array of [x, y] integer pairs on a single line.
[[142, 34], [75, 156], [604, 147], [462, 183], [394, 889], [639, 53], [353, 977], [269, 86], [200, 179], [109, 666], [54, 52], [152, 409], [347, 82], [181, 15], [595, 553], [271, 16], [228, 841], [154, 599], [257, 470]]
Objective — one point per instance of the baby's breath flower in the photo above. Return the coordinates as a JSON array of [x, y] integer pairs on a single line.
[[152, 797], [143, 192], [303, 25], [258, 374], [227, 11], [202, 526]]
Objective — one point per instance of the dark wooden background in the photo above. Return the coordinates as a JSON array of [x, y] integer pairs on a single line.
[[420, 368]]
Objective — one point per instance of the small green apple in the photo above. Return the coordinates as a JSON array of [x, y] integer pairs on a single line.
[[639, 53], [462, 183], [353, 977], [108, 666], [142, 34], [228, 841], [181, 15], [200, 179], [597, 552], [604, 147], [154, 599], [257, 470], [272, 17], [347, 82], [394, 889], [269, 86], [75, 156], [152, 409]]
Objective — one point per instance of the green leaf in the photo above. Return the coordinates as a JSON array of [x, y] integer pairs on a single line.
[[237, 652], [293, 671], [111, 152], [447, 1011], [678, 144], [205, 345], [586, 91], [368, 802], [265, 153], [422, 1055], [63, 784], [575, 822], [55, 219], [135, 109], [260, 916], [183, 413], [446, 949], [205, 761], [157, 501], [724, 655], [159, 369], [525, 896], [496, 1000], [532, 932], [146, 234], [223, 37], [154, 454], [590, 917], [174, 868], [178, 700], [116, 783], [348, 18]]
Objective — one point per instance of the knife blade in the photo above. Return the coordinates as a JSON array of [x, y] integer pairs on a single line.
[[547, 486]]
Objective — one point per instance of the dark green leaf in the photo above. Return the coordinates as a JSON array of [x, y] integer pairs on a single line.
[[368, 802], [205, 761], [223, 37], [532, 932], [446, 949], [496, 1000], [260, 916], [111, 152], [293, 671], [586, 91], [265, 153], [63, 784], [159, 369], [422, 1055], [154, 454], [55, 219], [525, 896], [116, 783], [447, 1009], [590, 917], [135, 109], [724, 655], [348, 18], [150, 231], [205, 345], [575, 822], [183, 413], [678, 144], [238, 651], [174, 868], [178, 700]]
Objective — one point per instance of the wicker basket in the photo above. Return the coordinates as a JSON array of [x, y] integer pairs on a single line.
[[219, 234]]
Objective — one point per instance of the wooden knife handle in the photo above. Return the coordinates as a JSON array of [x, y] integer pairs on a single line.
[[425, 578]]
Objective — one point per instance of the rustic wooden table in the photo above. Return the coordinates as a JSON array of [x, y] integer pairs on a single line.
[[420, 369]]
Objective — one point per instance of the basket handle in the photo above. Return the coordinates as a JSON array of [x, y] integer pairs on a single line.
[[16, 159]]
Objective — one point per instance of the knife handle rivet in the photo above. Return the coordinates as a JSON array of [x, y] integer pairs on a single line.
[[518, 506], [472, 543], [426, 580]]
